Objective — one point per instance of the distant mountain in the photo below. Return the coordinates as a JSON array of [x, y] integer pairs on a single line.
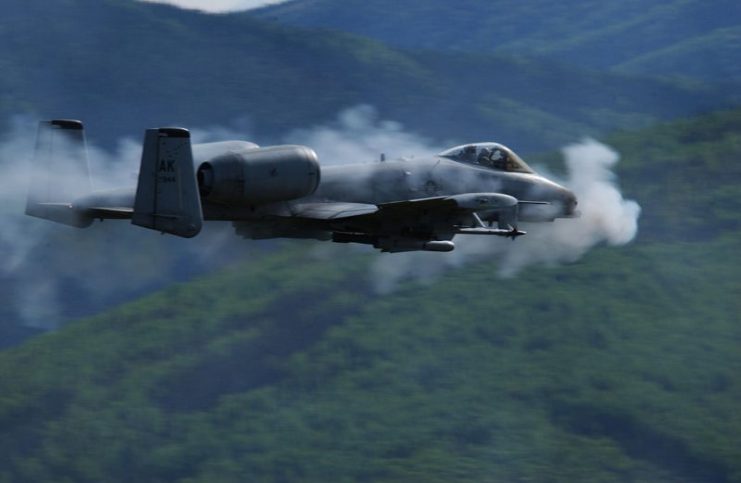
[[288, 365], [121, 65], [622, 367], [687, 175], [694, 38]]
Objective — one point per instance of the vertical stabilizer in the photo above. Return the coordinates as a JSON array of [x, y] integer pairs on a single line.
[[59, 172], [167, 198]]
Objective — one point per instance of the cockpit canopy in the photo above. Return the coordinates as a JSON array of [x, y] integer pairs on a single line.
[[488, 155]]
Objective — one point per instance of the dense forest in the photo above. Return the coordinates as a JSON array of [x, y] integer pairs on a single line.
[[621, 367], [284, 361], [162, 66], [691, 39], [123, 66]]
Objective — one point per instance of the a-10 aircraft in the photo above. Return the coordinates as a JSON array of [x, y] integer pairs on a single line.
[[282, 191]]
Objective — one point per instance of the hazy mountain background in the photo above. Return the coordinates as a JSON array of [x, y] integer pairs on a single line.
[[121, 65], [245, 361], [684, 38]]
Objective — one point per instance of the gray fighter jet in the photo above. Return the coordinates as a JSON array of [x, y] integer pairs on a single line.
[[281, 191]]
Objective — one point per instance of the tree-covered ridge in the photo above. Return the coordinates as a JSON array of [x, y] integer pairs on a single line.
[[122, 66], [687, 174], [569, 376], [694, 39], [621, 367]]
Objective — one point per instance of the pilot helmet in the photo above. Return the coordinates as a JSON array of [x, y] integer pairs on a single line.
[[484, 154]]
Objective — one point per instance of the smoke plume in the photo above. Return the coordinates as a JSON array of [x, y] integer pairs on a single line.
[[605, 218], [358, 135], [50, 273]]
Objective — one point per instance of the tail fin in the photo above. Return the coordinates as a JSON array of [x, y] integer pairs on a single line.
[[60, 173], [167, 196]]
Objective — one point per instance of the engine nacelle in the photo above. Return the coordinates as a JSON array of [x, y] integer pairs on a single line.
[[262, 175]]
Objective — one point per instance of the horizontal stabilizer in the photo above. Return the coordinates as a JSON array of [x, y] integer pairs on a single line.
[[167, 198], [110, 213]]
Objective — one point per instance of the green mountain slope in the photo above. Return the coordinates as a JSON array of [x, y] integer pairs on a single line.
[[687, 175], [709, 56], [122, 66], [587, 33], [622, 367]]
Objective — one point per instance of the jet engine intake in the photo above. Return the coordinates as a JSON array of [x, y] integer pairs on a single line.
[[257, 176]]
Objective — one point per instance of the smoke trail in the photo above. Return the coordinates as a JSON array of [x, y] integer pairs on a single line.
[[50, 273], [45, 264], [606, 217], [359, 136]]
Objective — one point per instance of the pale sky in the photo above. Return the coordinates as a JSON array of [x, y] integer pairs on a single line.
[[218, 6]]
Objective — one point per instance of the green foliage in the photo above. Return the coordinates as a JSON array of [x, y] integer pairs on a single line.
[[690, 38], [596, 371], [694, 193], [622, 367], [121, 66]]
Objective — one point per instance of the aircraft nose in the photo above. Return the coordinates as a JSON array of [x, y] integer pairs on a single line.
[[569, 201]]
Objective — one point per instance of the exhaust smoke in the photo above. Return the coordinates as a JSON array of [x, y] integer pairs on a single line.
[[50, 273], [359, 136], [605, 217]]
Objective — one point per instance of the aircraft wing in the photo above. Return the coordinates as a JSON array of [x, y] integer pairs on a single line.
[[444, 206], [407, 208], [438, 206], [331, 210], [440, 214]]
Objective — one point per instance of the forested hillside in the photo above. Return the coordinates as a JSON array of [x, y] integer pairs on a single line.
[[290, 364], [122, 66], [621, 367], [693, 39]]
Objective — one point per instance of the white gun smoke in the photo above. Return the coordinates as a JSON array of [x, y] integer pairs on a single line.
[[50, 273], [45, 265], [359, 136], [606, 217]]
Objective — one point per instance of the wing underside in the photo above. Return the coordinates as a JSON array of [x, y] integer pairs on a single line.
[[331, 210], [421, 224]]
